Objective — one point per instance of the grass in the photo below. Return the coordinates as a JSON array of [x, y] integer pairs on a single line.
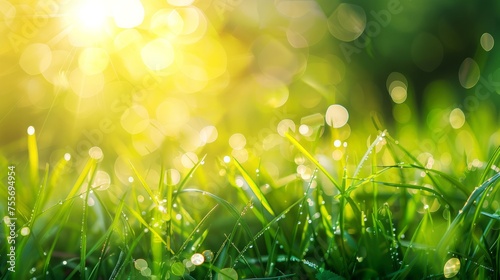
[[386, 216]]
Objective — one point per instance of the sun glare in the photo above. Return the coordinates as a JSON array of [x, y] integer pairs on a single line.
[[91, 14]]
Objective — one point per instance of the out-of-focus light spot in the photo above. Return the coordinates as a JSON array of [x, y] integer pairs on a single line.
[[35, 59], [173, 114], [337, 143], [427, 52], [140, 264], [347, 22], [90, 202], [102, 181], [96, 153], [305, 130], [197, 259], [91, 14], [487, 41], [127, 13], [227, 159], [457, 118], [398, 94], [130, 179], [307, 26], [337, 155], [140, 198], [240, 155], [30, 130], [189, 159], [397, 86], [396, 79], [167, 22], [336, 116], [284, 126], [25, 231], [93, 61], [67, 156], [86, 85], [208, 134], [172, 176], [178, 217], [158, 54], [451, 268], [135, 119], [401, 113], [237, 141], [469, 73]]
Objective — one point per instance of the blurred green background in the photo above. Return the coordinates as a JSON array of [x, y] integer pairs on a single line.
[[166, 82]]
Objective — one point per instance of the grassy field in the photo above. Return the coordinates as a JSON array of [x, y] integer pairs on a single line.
[[249, 140]]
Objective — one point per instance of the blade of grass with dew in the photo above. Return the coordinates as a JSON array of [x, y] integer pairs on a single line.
[[33, 155], [188, 176], [490, 164], [460, 220], [272, 255], [108, 234], [417, 163], [64, 211], [324, 171], [313, 160], [146, 225], [253, 186], [196, 228], [128, 257], [368, 152], [83, 231], [36, 210], [144, 184]]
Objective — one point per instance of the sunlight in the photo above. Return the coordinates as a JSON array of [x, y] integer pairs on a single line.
[[91, 15]]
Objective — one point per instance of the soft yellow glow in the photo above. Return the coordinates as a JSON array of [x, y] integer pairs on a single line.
[[91, 14], [237, 141], [457, 118], [93, 61], [398, 94], [35, 59], [487, 42], [127, 13], [158, 54], [135, 119]]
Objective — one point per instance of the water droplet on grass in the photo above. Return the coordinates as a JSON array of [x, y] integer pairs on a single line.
[[25, 231], [451, 268], [197, 259]]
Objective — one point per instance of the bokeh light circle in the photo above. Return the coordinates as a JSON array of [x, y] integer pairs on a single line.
[[336, 116]]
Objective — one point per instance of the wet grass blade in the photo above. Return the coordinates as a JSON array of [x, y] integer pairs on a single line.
[[253, 186], [313, 160]]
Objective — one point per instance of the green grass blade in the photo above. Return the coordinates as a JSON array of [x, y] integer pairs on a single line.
[[313, 160], [489, 165], [253, 186], [144, 184]]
